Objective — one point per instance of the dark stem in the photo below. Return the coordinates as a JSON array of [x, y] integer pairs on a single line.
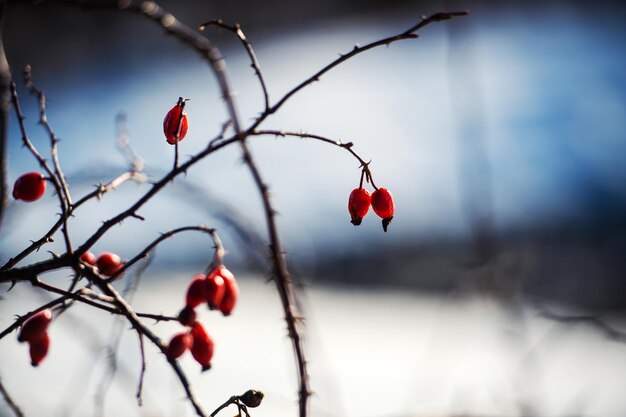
[[9, 400]]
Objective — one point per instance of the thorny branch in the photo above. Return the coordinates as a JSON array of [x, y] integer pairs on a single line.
[[254, 62], [305, 135], [5, 100], [283, 279]]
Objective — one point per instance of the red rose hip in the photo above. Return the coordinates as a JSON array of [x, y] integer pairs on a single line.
[[39, 349], [196, 292], [358, 205], [89, 258], [202, 348], [108, 263], [231, 291], [179, 344], [215, 288], [35, 327], [382, 203], [29, 187], [176, 123]]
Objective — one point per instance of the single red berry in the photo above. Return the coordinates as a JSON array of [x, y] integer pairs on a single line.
[[196, 292], [382, 203], [35, 327], [39, 349], [202, 348], [175, 122], [215, 289], [88, 258], [358, 205], [231, 291], [187, 316], [179, 344], [29, 187], [108, 263]]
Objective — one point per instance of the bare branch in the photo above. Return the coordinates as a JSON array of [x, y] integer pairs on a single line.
[[593, 321], [254, 62], [5, 100], [9, 400]]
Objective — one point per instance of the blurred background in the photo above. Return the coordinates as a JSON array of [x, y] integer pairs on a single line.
[[501, 136]]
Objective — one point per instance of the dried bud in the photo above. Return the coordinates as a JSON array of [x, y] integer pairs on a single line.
[[252, 398]]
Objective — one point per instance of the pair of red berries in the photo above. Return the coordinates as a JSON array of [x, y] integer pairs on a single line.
[[219, 290], [107, 263], [29, 187], [35, 332], [380, 200], [197, 340], [175, 124]]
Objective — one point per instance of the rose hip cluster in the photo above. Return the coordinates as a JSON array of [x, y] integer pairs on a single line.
[[380, 200], [35, 333], [107, 263], [219, 290]]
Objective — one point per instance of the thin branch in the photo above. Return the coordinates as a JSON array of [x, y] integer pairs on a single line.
[[219, 249], [43, 120], [42, 162], [410, 33], [305, 135], [9, 400], [254, 62], [5, 108], [97, 193], [142, 372], [591, 320]]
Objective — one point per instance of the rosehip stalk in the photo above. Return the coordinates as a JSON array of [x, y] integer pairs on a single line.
[[382, 203]]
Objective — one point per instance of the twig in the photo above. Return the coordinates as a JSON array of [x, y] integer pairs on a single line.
[[254, 62], [5, 100], [344, 145], [410, 33], [42, 162], [219, 249], [142, 372], [43, 120], [590, 320], [9, 400]]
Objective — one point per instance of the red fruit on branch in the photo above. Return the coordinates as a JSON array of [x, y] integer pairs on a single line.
[[202, 348], [108, 263], [179, 344], [382, 203], [29, 187], [88, 258], [175, 123], [358, 205], [35, 327], [196, 292], [215, 289], [39, 349], [231, 291]]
